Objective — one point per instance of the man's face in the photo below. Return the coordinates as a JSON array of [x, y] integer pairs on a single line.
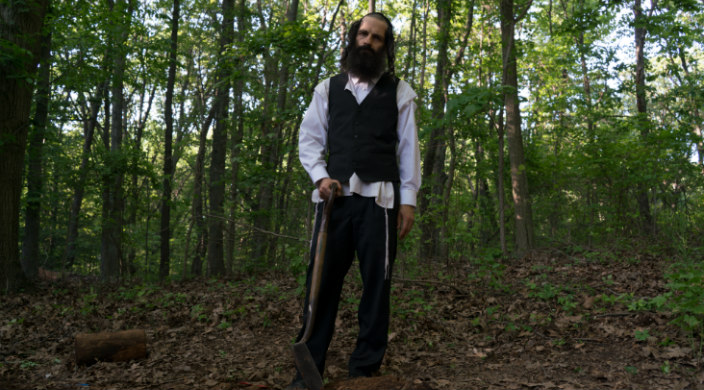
[[371, 33], [367, 59]]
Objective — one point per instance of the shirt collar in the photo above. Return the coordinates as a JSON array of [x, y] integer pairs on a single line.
[[354, 81]]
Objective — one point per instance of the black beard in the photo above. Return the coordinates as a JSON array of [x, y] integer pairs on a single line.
[[365, 63]]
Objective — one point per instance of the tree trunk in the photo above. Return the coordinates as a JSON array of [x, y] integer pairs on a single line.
[[89, 126], [270, 157], [500, 186], [236, 143], [35, 179], [431, 194], [586, 83], [424, 57], [641, 105], [216, 263], [410, 68], [519, 181], [168, 172], [198, 217], [135, 189], [444, 249], [21, 24], [111, 246]]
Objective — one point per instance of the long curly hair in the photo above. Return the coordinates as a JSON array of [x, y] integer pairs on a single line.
[[389, 43]]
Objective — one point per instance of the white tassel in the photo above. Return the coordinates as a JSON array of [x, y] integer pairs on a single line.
[[387, 275], [315, 221]]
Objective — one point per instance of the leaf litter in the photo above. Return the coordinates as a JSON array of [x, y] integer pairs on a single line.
[[547, 321]]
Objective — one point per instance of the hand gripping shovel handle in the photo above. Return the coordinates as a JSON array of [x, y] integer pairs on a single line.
[[304, 361]]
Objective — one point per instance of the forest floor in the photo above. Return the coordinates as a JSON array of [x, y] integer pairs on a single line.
[[552, 320]]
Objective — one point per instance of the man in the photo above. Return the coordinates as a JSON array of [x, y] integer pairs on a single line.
[[363, 119]]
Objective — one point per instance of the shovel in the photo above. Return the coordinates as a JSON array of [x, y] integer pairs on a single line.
[[304, 361]]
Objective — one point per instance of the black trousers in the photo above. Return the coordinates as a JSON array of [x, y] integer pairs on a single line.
[[357, 226]]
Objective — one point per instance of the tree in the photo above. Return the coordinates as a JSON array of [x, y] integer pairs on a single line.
[[434, 159], [90, 122], [21, 24], [168, 171], [32, 229], [519, 180], [111, 241], [642, 121], [216, 263]]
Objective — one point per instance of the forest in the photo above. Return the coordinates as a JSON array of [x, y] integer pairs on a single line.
[[149, 177]]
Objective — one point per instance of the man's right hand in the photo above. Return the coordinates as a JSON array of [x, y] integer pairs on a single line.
[[324, 187]]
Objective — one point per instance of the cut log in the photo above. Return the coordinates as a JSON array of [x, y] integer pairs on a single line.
[[111, 346]]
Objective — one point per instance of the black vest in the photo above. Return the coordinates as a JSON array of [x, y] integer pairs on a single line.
[[362, 138]]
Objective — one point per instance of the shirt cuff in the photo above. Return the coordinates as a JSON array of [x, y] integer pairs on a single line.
[[318, 173], [408, 197]]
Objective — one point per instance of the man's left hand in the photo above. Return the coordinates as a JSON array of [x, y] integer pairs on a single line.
[[406, 215]]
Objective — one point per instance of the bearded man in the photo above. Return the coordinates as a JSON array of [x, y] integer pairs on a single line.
[[363, 119]]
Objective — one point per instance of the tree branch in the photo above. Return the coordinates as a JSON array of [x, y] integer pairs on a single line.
[[524, 12]]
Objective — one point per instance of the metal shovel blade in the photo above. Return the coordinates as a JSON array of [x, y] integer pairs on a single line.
[[307, 367]]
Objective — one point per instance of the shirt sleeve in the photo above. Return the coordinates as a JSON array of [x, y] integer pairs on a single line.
[[408, 152], [313, 135]]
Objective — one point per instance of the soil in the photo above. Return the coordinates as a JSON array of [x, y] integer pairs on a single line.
[[552, 320]]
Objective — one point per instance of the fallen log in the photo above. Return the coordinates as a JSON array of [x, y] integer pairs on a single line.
[[111, 346]]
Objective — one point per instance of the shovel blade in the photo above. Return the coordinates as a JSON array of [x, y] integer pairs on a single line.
[[306, 366]]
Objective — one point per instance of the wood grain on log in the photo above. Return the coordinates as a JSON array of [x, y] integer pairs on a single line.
[[111, 346]]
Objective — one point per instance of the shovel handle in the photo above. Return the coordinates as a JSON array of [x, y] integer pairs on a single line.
[[318, 264]]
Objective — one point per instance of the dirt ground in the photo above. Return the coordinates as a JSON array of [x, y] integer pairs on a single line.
[[553, 320]]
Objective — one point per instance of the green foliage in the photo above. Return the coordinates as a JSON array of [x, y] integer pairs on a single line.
[[642, 335], [473, 101], [198, 313], [686, 299], [487, 268]]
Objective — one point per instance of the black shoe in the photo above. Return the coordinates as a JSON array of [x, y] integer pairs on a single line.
[[359, 374]]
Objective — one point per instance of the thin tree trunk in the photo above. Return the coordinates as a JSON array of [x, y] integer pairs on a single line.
[[236, 143], [642, 107], [519, 179], [21, 24], [444, 251], [590, 121], [168, 172], [424, 58], [410, 68], [198, 197], [111, 247], [500, 191], [35, 175], [127, 267], [88, 131], [105, 193], [431, 201], [270, 155], [216, 262]]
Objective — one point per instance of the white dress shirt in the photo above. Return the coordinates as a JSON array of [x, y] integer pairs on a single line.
[[312, 144]]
